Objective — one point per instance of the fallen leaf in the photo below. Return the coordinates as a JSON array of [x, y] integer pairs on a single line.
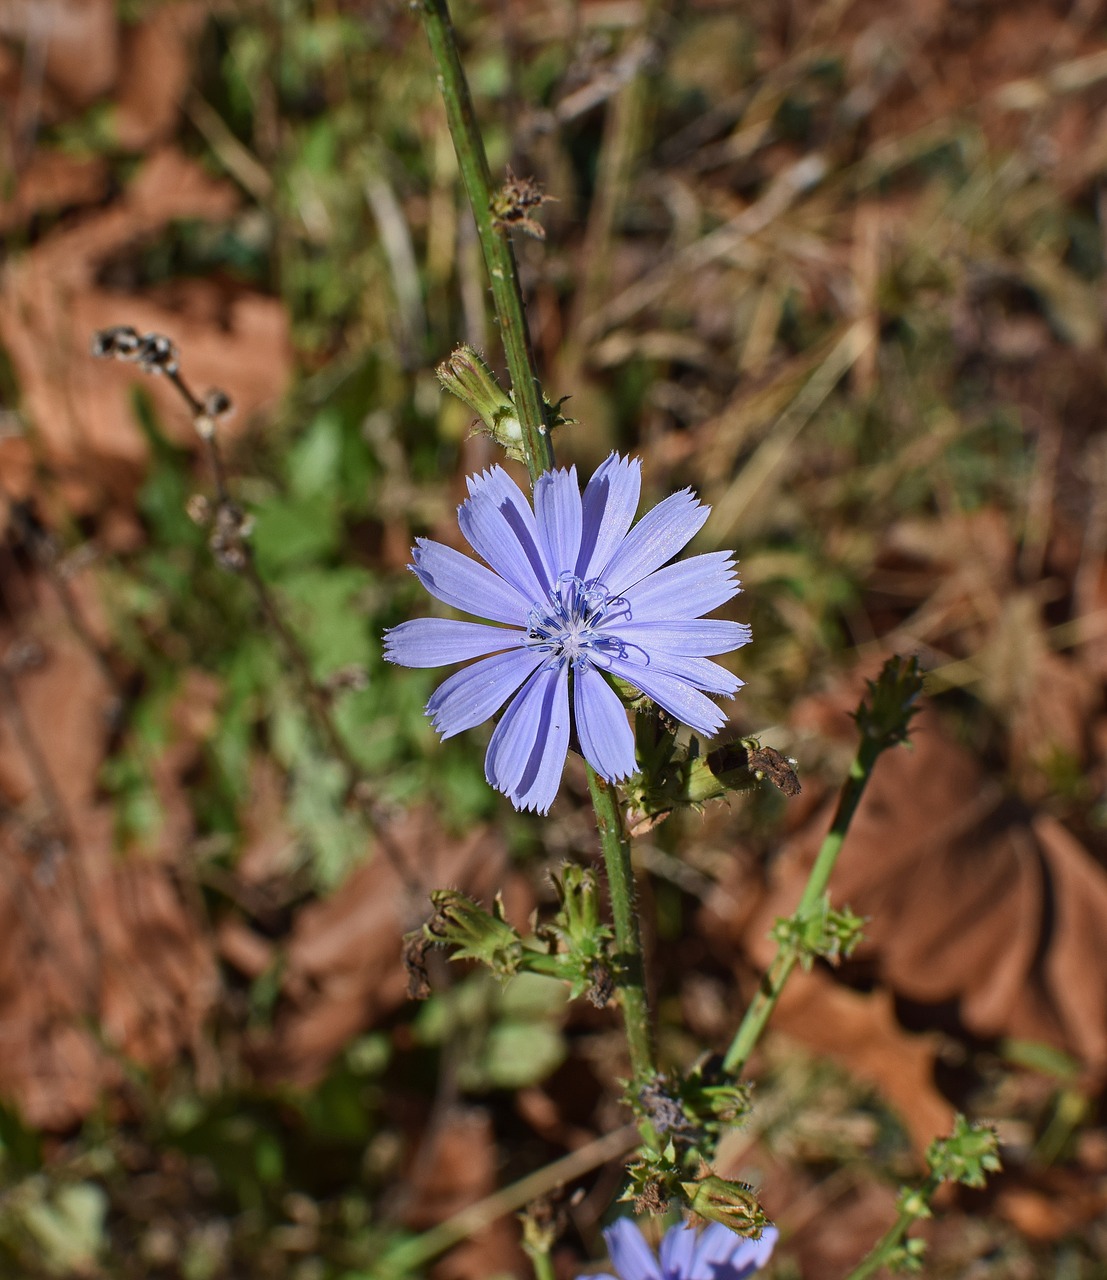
[[52, 304], [155, 68], [344, 966]]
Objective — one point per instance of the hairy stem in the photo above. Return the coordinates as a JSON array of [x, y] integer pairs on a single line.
[[495, 243], [630, 970]]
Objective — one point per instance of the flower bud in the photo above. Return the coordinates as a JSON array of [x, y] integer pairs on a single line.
[[731, 1203], [886, 712], [467, 376], [474, 933], [579, 892]]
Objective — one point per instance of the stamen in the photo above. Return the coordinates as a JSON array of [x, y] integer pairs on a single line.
[[566, 625]]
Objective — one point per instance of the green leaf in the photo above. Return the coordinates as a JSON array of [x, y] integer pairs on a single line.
[[287, 532], [518, 1054]]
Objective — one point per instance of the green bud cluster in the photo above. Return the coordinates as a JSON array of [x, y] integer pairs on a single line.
[[574, 947], [475, 934], [885, 715], [967, 1156], [583, 937], [825, 933]]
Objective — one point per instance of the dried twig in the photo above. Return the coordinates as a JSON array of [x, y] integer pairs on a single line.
[[230, 544]]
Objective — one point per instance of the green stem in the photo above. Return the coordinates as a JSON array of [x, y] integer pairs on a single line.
[[630, 977], [764, 1002], [871, 1263], [495, 243], [527, 394], [543, 1266]]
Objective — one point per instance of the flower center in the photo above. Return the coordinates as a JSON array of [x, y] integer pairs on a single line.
[[566, 624]]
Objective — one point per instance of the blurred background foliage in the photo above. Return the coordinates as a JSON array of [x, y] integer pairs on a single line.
[[839, 267]]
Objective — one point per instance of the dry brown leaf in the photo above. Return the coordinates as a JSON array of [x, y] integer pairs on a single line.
[[861, 1033], [95, 942], [1075, 938], [52, 304], [1058, 1203], [90, 939], [50, 182], [269, 844], [65, 700], [829, 1223], [78, 40], [459, 1165], [970, 899], [240, 946], [156, 65], [344, 966]]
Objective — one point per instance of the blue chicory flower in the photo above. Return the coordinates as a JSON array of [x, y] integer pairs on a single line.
[[715, 1253], [575, 590]]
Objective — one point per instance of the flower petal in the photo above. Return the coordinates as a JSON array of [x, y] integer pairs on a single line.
[[527, 752], [557, 510], [499, 525], [716, 1246], [657, 537], [694, 638], [434, 642], [458, 580], [606, 738], [610, 501], [721, 1255], [473, 694], [686, 590], [700, 673], [675, 695], [678, 1252], [630, 1254]]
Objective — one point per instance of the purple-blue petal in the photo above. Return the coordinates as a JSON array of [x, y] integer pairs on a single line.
[[675, 695], [700, 673], [528, 748], [462, 582], [435, 642], [610, 501], [499, 525], [606, 738], [537, 788], [687, 589], [693, 638], [631, 1256], [473, 694], [656, 538], [721, 1255], [678, 1252], [512, 740], [558, 513]]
